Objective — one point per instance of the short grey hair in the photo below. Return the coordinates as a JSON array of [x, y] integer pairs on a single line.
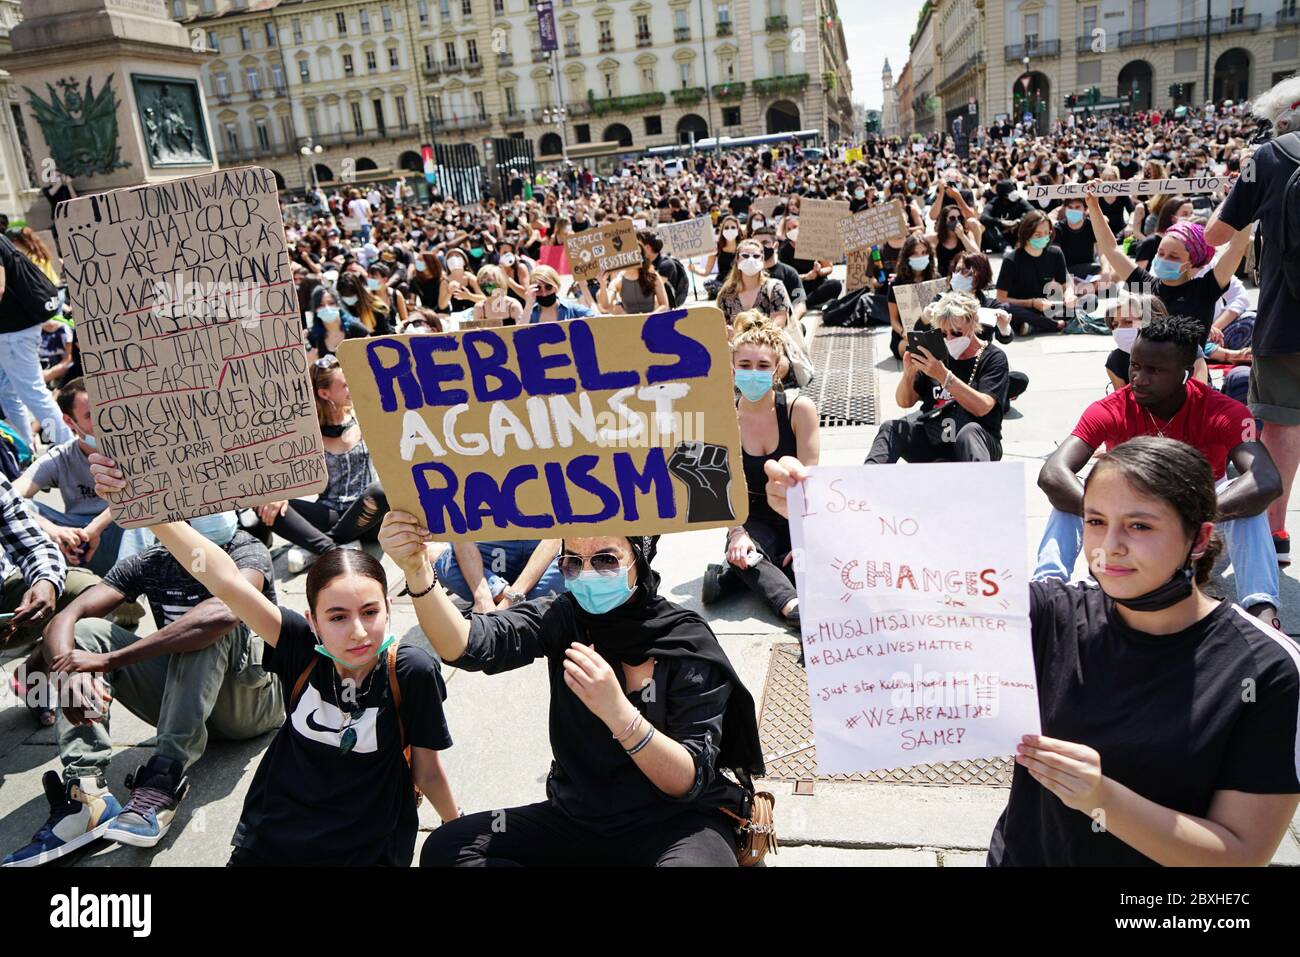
[[958, 310], [1269, 106]]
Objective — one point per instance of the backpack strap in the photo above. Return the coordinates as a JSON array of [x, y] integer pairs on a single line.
[[299, 685], [396, 690]]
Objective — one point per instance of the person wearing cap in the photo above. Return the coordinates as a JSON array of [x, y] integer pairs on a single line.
[[647, 716], [198, 676]]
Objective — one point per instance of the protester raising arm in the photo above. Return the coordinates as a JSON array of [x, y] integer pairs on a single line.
[[409, 544], [1106, 245]]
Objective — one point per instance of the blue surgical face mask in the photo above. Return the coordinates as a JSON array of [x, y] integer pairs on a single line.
[[373, 284], [1165, 270], [349, 300], [962, 283], [1039, 242], [219, 529], [598, 593], [918, 263], [322, 650], [328, 314], [1074, 216], [753, 383]]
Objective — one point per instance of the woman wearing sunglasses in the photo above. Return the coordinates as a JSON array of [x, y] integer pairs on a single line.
[[646, 711], [748, 286], [335, 787], [543, 302]]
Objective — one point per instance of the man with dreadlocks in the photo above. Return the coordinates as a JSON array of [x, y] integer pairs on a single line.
[[646, 713]]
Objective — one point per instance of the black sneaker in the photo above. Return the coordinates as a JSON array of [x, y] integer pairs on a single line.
[[157, 788], [711, 590], [1282, 543]]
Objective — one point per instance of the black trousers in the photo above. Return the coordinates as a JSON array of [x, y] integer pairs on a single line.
[[318, 528], [1036, 321], [770, 579], [539, 835], [906, 439], [822, 291]]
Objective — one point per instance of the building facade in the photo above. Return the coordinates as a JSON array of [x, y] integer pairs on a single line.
[[926, 110], [959, 52], [368, 83], [20, 171]]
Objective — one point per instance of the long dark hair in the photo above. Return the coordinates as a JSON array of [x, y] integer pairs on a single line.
[[1028, 223], [904, 274], [350, 284], [342, 561], [1175, 473]]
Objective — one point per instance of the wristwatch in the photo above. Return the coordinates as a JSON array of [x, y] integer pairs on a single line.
[[515, 597]]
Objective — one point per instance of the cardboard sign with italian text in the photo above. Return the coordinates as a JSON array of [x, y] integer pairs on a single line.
[[1128, 187], [604, 426], [594, 251], [686, 240], [912, 298], [915, 619], [871, 227], [191, 344], [819, 229]]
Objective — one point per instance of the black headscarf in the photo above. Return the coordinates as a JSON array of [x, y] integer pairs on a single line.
[[648, 625]]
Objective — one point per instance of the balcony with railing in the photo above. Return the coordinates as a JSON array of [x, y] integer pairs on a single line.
[[540, 55], [515, 116], [689, 95], [777, 23], [644, 40], [474, 66], [452, 66], [624, 104], [1288, 15], [969, 64], [431, 67], [681, 34], [724, 28], [1038, 48], [605, 44], [281, 91], [505, 59], [768, 86], [729, 91], [1189, 30], [573, 49], [470, 122]]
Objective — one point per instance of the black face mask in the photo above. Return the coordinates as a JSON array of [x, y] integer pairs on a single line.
[[546, 301], [1178, 588]]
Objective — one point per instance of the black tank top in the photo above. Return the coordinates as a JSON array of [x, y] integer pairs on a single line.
[[725, 262], [944, 257], [786, 444]]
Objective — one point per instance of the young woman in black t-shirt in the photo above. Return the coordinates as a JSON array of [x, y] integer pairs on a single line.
[[1169, 718], [915, 264], [335, 786], [1032, 275]]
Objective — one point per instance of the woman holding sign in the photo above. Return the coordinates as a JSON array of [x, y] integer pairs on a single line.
[[646, 712], [337, 785], [1169, 718]]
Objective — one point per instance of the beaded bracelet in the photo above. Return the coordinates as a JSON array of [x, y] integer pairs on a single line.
[[433, 572]]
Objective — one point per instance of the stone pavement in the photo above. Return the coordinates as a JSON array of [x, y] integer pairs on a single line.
[[501, 753]]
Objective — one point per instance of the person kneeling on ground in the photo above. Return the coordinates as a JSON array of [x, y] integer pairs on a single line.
[[1144, 723], [646, 713], [772, 425], [200, 673], [962, 395], [1163, 399]]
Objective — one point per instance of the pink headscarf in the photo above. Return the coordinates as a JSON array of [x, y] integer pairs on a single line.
[[1192, 235]]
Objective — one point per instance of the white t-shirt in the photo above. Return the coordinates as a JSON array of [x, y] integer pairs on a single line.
[[359, 209]]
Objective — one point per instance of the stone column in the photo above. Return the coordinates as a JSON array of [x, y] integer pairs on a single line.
[[110, 95]]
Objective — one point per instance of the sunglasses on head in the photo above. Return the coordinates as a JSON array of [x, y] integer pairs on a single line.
[[603, 563], [326, 362]]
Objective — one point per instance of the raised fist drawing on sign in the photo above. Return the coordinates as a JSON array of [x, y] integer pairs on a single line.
[[705, 471]]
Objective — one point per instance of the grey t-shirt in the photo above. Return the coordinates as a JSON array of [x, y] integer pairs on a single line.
[[67, 467]]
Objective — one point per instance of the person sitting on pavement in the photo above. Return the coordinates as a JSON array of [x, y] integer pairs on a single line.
[[1163, 399], [1126, 313], [199, 674], [637, 777], [963, 394], [1145, 727], [492, 576], [772, 425], [1032, 275], [815, 274], [365, 722], [749, 287], [788, 275], [915, 264]]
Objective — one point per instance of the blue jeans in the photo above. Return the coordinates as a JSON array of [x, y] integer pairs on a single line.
[[22, 385], [502, 564], [107, 554], [1249, 543]]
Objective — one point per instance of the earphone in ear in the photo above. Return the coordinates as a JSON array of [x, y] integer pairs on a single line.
[[1186, 375]]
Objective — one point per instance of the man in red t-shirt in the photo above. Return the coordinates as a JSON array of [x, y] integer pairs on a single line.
[[1163, 399]]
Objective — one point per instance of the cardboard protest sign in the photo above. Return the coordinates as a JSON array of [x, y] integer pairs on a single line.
[[593, 251], [912, 298], [191, 344], [605, 426], [686, 240], [819, 229], [860, 268], [1128, 187], [853, 154], [915, 619], [765, 206], [871, 227]]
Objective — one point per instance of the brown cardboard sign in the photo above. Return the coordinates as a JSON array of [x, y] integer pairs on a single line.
[[859, 268], [686, 240], [871, 227], [765, 206], [912, 298], [191, 344], [597, 250], [819, 229], [622, 425]]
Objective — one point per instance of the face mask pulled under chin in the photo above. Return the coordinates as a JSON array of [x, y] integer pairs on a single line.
[[322, 650], [1178, 588]]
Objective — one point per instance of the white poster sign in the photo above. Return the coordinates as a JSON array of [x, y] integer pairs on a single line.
[[915, 617], [1129, 187]]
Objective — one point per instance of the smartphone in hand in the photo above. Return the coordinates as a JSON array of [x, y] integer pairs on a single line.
[[931, 339]]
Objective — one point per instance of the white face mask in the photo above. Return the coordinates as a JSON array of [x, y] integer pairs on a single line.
[[730, 234], [507, 259], [957, 346], [1125, 337], [751, 267], [455, 262]]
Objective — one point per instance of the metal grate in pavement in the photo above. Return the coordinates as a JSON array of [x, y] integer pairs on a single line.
[[844, 376], [786, 730]]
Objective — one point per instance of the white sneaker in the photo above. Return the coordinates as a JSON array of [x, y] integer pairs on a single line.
[[298, 560]]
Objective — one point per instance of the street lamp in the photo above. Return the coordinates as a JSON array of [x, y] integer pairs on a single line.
[[309, 150], [557, 115]]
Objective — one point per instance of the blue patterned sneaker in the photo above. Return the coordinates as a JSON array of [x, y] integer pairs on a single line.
[[156, 789], [80, 812]]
